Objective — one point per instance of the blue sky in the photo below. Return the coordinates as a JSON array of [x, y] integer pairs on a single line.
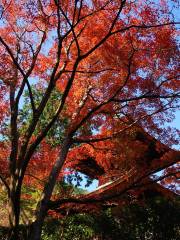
[[176, 123]]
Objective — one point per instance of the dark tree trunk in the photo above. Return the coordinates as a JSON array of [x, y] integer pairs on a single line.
[[14, 210], [41, 212], [35, 231]]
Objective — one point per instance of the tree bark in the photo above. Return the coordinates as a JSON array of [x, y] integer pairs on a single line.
[[14, 210], [42, 208]]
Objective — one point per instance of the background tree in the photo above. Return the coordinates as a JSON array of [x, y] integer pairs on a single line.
[[121, 71]]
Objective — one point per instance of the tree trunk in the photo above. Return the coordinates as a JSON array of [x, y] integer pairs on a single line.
[[14, 210], [35, 231], [42, 208]]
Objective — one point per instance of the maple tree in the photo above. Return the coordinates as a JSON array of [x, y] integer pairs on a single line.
[[76, 76]]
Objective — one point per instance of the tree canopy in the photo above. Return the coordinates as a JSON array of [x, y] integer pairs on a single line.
[[89, 80]]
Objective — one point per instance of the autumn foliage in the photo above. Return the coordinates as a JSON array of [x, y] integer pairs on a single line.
[[86, 86]]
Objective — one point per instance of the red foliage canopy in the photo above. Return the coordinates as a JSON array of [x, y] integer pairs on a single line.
[[115, 65]]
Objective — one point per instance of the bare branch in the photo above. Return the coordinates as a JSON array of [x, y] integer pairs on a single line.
[[72, 29], [93, 72], [116, 135], [146, 96], [42, 182], [144, 27], [25, 81], [12, 57], [109, 100], [50, 124], [109, 33], [158, 179]]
